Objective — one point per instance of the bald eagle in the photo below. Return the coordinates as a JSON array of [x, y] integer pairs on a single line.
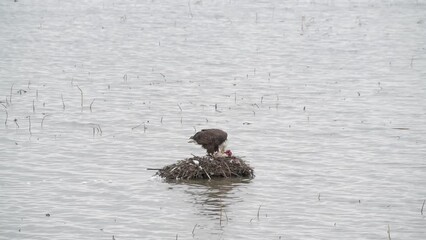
[[213, 140]]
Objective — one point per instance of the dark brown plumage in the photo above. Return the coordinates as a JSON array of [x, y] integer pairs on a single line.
[[212, 140]]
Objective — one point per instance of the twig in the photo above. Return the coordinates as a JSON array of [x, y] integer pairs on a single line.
[[133, 128], [226, 215], [421, 211], [81, 92], [193, 230], [63, 103], [179, 107], [90, 107], [42, 120], [230, 172], [258, 211], [29, 125], [389, 236], [16, 122], [220, 217], [100, 129], [207, 174], [224, 174], [164, 76], [7, 116], [33, 107], [153, 169], [10, 96], [189, 7]]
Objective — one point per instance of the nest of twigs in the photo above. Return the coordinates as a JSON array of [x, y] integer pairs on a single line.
[[206, 167]]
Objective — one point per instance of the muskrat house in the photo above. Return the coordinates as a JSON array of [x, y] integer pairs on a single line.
[[206, 167]]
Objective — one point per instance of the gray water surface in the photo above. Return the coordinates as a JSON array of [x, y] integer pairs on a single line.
[[325, 99]]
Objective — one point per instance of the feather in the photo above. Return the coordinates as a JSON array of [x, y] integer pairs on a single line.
[[210, 139]]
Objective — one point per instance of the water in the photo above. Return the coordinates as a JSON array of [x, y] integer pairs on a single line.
[[325, 99]]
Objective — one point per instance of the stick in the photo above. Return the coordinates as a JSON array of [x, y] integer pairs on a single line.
[[100, 129], [421, 211], [230, 172], [91, 104], [7, 116], [389, 236], [224, 174], [63, 103], [81, 92], [194, 229], [29, 125], [42, 120], [226, 215], [10, 97], [153, 169], [258, 211], [189, 7], [207, 174], [220, 217], [33, 107]]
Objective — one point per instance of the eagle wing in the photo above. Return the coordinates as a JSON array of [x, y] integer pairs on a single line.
[[210, 139]]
